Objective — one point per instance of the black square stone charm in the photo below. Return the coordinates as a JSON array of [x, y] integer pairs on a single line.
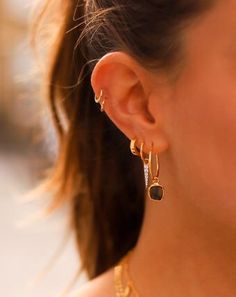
[[155, 191]]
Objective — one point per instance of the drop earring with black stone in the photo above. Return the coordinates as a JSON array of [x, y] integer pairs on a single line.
[[155, 190]]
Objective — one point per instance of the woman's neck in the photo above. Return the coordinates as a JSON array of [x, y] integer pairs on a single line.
[[181, 252]]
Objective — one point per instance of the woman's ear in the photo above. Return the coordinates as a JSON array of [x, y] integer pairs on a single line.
[[127, 90]]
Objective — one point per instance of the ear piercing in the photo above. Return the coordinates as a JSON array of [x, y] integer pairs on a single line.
[[150, 161], [100, 100], [154, 190]]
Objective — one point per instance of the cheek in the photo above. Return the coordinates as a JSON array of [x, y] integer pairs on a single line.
[[204, 142]]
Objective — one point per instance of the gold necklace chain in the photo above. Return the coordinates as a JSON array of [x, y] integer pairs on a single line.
[[121, 289]]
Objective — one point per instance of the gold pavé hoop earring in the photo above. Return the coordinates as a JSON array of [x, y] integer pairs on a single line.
[[145, 164], [139, 152], [99, 100], [155, 190]]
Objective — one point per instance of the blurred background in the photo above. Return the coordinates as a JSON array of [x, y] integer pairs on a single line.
[[27, 246]]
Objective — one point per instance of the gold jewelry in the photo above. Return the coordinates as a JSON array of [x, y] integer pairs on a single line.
[[134, 149], [97, 100], [155, 190], [139, 152], [122, 269], [142, 154]]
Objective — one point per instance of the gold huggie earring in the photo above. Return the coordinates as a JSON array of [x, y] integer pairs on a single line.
[[134, 149], [97, 100], [155, 190]]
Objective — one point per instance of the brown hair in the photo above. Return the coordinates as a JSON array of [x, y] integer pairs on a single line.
[[95, 170]]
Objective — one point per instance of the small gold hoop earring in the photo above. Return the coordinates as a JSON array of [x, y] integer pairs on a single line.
[[97, 100], [142, 154], [155, 190], [134, 149]]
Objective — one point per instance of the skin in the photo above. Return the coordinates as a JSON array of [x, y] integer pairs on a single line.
[[187, 245]]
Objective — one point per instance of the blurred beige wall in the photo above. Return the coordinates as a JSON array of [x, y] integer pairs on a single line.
[[25, 249]]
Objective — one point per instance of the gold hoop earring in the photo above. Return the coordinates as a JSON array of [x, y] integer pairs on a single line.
[[142, 154], [155, 190], [139, 152], [145, 164], [97, 100], [134, 149]]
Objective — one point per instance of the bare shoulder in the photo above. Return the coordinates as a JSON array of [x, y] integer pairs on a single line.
[[100, 286]]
